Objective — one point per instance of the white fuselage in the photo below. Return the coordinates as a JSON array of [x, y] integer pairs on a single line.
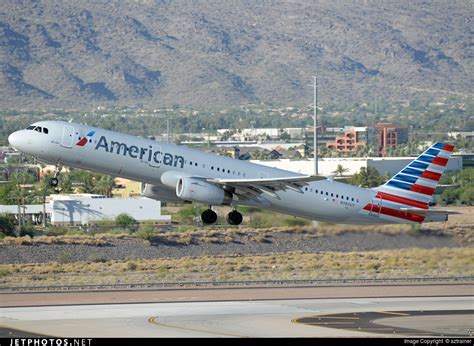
[[144, 160]]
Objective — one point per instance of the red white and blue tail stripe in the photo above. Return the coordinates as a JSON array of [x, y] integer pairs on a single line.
[[412, 188], [416, 183]]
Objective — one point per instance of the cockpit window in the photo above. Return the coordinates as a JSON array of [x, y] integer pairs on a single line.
[[31, 127], [45, 130], [38, 128]]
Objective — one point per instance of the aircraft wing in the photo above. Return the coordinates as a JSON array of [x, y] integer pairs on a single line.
[[249, 188], [429, 211]]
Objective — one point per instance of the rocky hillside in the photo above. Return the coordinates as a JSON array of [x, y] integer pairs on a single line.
[[206, 53]]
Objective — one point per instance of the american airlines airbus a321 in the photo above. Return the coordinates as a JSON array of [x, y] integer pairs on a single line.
[[179, 174]]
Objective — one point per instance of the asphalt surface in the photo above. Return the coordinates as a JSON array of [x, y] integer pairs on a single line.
[[450, 323], [267, 318]]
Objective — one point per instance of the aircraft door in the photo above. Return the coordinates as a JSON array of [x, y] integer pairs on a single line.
[[376, 207], [68, 136]]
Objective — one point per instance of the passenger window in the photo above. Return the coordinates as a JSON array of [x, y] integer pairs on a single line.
[[337, 196], [327, 193], [218, 169], [306, 189], [228, 171], [191, 163], [322, 192], [347, 197], [212, 167], [316, 191], [45, 130], [196, 164], [332, 195], [352, 199]]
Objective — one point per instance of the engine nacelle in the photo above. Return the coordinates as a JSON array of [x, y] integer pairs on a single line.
[[201, 191], [160, 193]]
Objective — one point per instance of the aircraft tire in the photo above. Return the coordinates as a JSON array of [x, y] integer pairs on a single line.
[[209, 216], [234, 218]]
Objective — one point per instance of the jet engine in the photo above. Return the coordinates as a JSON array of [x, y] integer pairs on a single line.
[[201, 191], [160, 193]]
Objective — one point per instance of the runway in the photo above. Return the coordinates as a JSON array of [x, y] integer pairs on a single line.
[[426, 316]]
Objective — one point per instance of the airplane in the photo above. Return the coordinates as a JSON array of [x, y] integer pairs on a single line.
[[178, 174]]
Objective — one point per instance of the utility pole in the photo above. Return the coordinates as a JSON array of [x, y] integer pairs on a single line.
[[315, 123]]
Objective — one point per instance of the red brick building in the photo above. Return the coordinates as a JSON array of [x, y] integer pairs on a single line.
[[349, 140], [390, 136]]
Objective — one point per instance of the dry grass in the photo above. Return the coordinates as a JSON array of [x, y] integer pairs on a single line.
[[459, 226], [293, 265], [56, 240]]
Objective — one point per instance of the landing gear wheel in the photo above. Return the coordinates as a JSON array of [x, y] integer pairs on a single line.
[[234, 218], [53, 182], [208, 216]]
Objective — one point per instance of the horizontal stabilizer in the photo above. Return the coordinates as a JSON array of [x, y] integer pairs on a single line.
[[429, 211]]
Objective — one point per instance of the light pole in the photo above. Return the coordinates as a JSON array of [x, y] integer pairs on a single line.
[[315, 123]]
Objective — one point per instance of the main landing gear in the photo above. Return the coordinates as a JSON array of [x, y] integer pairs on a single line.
[[209, 216], [234, 218], [54, 181]]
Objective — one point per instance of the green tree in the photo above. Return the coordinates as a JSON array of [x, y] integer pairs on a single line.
[[19, 194], [467, 196], [450, 196], [340, 170], [367, 177], [104, 185]]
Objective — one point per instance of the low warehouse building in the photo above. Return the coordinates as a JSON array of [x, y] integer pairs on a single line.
[[83, 209], [327, 166]]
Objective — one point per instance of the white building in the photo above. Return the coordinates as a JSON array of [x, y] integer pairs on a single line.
[[82, 209], [327, 166]]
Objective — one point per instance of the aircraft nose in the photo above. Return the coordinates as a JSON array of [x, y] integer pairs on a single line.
[[13, 139], [16, 140]]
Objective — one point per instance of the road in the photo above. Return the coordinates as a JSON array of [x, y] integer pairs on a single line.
[[346, 311]]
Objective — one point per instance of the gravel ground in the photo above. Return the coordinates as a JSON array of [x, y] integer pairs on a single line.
[[124, 249]]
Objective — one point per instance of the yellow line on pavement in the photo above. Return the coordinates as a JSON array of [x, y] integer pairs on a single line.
[[393, 313], [153, 320]]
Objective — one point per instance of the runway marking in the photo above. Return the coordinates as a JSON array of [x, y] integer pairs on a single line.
[[324, 323], [153, 320], [393, 313], [337, 317], [367, 322]]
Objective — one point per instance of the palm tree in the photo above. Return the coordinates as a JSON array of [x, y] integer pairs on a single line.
[[104, 185], [340, 170], [18, 194]]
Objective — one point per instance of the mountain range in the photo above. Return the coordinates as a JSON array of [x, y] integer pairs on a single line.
[[72, 54]]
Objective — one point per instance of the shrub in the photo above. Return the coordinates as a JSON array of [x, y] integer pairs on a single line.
[[145, 233], [64, 257], [7, 225], [27, 230], [132, 266], [125, 221], [296, 222]]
